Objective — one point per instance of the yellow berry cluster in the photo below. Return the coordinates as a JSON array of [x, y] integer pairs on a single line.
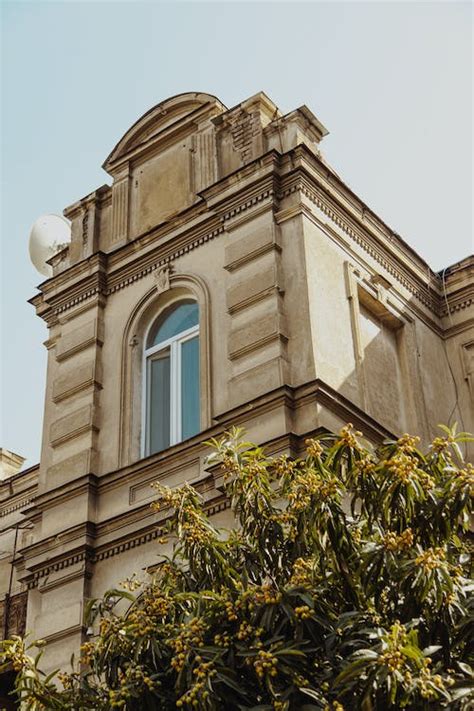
[[267, 595], [195, 530], [405, 468], [67, 680], [104, 626], [408, 443], [157, 606], [116, 700], [465, 477], [191, 635], [229, 466], [139, 623], [253, 470], [265, 663], [349, 437], [87, 650], [313, 447], [440, 444], [131, 679], [15, 653], [431, 558], [230, 611], [284, 465], [430, 684], [222, 640], [245, 631], [394, 660], [302, 572], [132, 583], [397, 543], [171, 498], [304, 612], [305, 486], [364, 466], [198, 691]]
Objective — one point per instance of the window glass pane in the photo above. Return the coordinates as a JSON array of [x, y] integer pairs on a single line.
[[190, 410], [159, 402], [180, 319]]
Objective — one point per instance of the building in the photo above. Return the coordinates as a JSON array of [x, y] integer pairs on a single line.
[[227, 276]]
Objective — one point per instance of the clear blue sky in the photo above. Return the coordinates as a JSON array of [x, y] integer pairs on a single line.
[[391, 81]]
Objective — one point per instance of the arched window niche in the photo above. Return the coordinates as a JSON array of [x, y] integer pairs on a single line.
[[171, 383], [165, 393]]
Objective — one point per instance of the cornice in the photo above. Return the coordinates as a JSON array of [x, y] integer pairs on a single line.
[[20, 482], [194, 237], [85, 538], [344, 194], [458, 328], [67, 292], [268, 178], [85, 553], [342, 407], [73, 275], [458, 306], [75, 537], [457, 300], [301, 180], [41, 570], [239, 183], [161, 255], [62, 634], [427, 316], [63, 492], [14, 507], [80, 282]]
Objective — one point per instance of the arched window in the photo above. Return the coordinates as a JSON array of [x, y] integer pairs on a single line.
[[171, 378]]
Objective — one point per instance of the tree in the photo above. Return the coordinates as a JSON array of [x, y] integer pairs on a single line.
[[344, 585]]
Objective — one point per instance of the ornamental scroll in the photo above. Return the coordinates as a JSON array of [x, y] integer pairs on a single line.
[[162, 278]]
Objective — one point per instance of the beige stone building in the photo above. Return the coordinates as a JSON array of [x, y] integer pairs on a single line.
[[226, 276]]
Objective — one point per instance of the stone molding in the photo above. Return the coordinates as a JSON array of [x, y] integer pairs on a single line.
[[80, 378], [146, 484], [318, 195], [11, 509], [89, 334], [330, 208], [85, 554], [169, 117], [259, 333], [182, 285], [65, 633], [288, 397], [255, 288], [73, 425]]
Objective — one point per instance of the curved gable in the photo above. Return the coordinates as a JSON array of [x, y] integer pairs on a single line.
[[159, 119]]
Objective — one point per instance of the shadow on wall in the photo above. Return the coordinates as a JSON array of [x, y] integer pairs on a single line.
[[407, 377]]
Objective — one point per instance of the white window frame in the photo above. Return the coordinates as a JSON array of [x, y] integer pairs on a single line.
[[174, 345]]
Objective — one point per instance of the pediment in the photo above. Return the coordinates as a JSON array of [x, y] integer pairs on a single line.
[[158, 120]]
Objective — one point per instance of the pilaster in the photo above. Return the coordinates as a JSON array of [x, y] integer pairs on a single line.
[[254, 292], [120, 205]]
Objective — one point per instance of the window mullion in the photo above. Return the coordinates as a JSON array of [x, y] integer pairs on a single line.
[[147, 391], [174, 379], [178, 391]]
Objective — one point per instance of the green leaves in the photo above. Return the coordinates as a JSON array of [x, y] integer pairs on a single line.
[[344, 585]]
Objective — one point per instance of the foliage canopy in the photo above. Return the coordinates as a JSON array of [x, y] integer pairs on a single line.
[[345, 585]]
